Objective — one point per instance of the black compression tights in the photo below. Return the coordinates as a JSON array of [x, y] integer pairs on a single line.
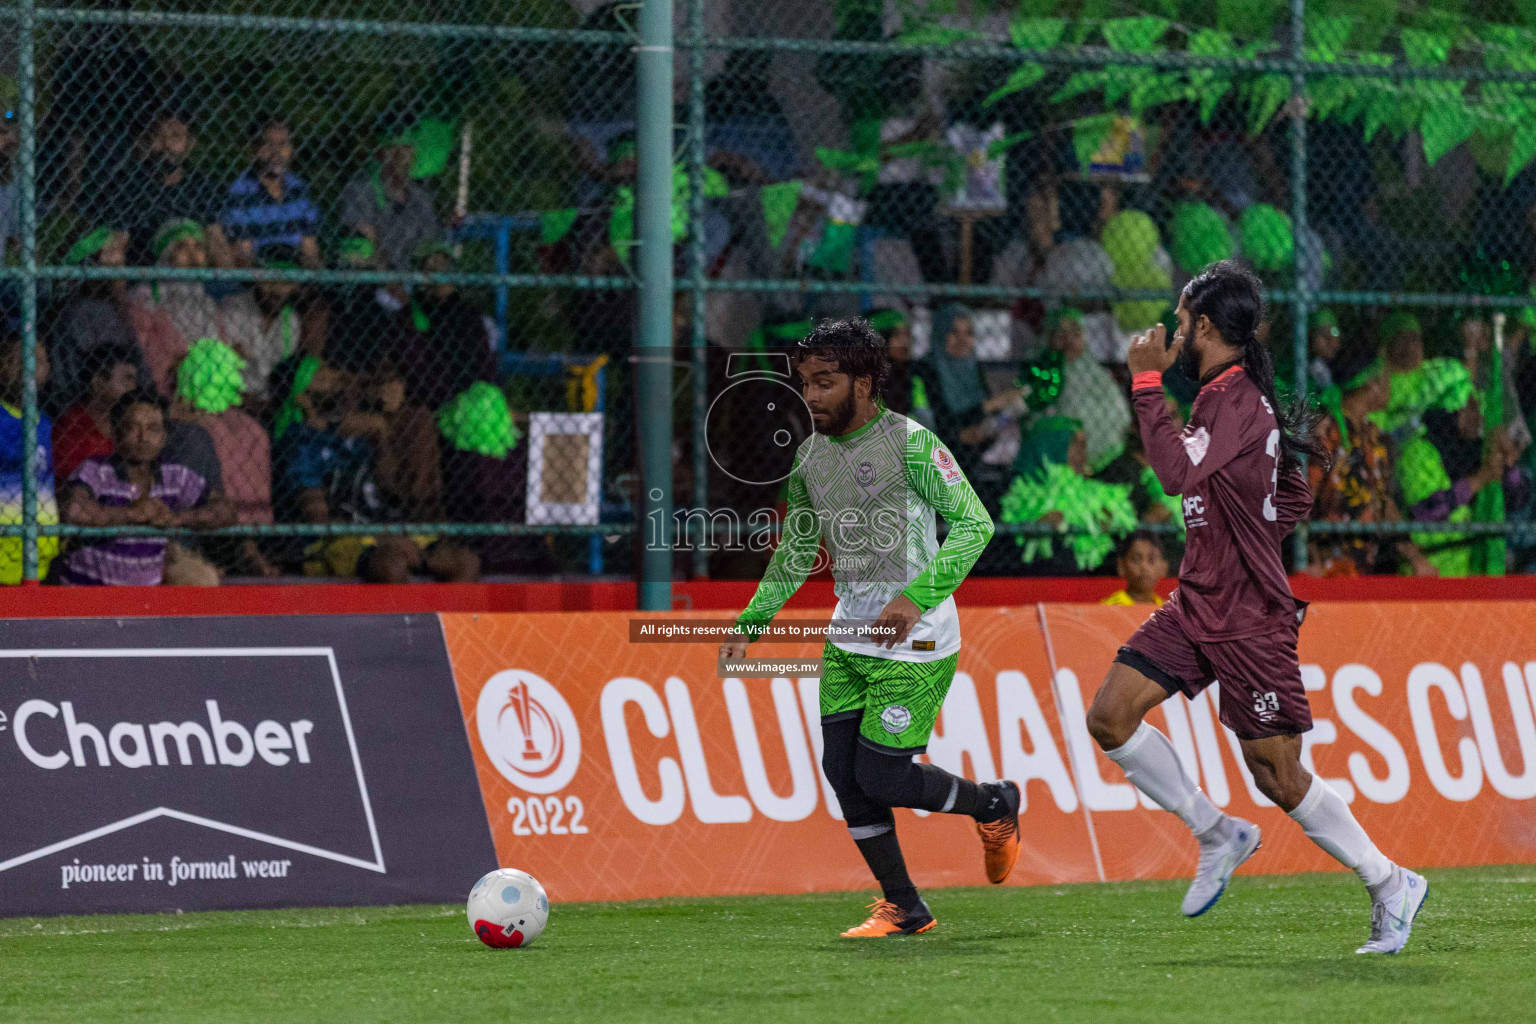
[[869, 782]]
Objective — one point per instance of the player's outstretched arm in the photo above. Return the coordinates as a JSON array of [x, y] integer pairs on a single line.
[[933, 473], [791, 564]]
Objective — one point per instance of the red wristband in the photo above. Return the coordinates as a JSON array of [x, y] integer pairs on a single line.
[[1147, 379]]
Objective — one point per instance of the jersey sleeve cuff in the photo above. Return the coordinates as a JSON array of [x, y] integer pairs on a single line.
[[1147, 379], [751, 630], [921, 596]]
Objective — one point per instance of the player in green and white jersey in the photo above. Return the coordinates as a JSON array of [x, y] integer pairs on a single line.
[[869, 482]]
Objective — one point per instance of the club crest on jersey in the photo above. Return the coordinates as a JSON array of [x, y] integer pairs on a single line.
[[946, 464], [895, 718], [1196, 444], [865, 473]]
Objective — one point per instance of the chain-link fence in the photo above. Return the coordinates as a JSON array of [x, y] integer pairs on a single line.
[[1011, 191], [374, 285], [317, 291]]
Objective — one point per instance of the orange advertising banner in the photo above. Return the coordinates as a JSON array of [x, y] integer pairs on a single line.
[[620, 770]]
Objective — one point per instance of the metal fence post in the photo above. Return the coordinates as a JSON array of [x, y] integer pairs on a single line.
[[653, 365], [699, 342], [27, 158], [1299, 297]]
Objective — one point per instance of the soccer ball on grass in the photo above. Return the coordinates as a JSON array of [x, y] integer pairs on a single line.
[[507, 908]]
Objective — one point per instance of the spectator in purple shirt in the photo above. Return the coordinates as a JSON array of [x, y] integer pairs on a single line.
[[134, 487]]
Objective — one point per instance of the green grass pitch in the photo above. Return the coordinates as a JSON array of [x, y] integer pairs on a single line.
[[1274, 950]]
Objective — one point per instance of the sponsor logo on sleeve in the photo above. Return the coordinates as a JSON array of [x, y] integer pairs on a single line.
[[1196, 444], [946, 465]]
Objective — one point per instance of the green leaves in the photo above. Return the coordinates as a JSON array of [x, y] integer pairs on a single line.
[[938, 35], [1252, 19], [1207, 85], [1327, 96], [1028, 34], [1088, 134], [998, 147], [853, 163], [715, 185], [1122, 82], [1134, 35], [1506, 48], [1353, 33], [1155, 89], [1444, 127], [1210, 42], [779, 202], [1139, 84], [1425, 49], [1036, 33], [1081, 82], [1024, 76], [1265, 96], [1326, 36], [1521, 149], [555, 225]]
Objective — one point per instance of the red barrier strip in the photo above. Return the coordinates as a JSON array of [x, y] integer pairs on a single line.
[[425, 598]]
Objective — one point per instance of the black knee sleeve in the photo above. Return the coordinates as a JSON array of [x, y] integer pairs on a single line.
[[896, 780], [839, 752]]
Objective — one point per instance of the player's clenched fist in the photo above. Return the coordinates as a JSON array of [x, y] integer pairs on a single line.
[[1150, 351]]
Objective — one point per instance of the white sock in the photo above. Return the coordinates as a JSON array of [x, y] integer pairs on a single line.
[[1152, 766], [1324, 817]]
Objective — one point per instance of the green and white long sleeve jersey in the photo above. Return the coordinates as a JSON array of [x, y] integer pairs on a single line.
[[874, 494]]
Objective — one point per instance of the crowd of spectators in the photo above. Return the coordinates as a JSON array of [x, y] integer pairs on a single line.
[[1041, 421], [195, 405], [294, 403], [1413, 441]]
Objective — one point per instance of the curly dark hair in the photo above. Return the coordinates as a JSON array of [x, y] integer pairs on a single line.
[[857, 348]]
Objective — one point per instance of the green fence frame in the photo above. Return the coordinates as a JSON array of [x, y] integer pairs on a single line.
[[654, 281]]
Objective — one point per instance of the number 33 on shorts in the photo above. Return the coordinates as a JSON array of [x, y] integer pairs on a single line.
[[1266, 705]]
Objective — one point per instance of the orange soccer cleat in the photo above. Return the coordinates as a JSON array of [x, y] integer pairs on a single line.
[[886, 919], [1000, 837]]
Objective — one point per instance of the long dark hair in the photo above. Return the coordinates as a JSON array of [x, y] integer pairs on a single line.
[[1229, 295]]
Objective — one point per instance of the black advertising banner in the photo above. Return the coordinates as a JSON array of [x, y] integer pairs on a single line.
[[221, 763]]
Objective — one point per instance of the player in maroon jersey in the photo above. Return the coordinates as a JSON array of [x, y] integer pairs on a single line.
[[1233, 620]]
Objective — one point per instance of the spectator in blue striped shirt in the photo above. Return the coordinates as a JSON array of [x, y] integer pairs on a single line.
[[269, 204]]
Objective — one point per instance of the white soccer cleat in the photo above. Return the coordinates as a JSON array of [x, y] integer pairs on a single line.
[[1393, 911], [1217, 863]]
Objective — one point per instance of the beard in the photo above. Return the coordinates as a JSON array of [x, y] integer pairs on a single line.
[[1189, 362], [839, 418]]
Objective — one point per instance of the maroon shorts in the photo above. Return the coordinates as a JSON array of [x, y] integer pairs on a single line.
[[1259, 676]]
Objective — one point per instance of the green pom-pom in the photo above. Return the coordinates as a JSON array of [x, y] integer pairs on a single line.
[[479, 421], [210, 376], [1198, 235], [1096, 512], [1131, 240], [1268, 242], [1130, 237]]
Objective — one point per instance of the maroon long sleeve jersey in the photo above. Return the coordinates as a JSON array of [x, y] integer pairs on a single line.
[[1238, 504]]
